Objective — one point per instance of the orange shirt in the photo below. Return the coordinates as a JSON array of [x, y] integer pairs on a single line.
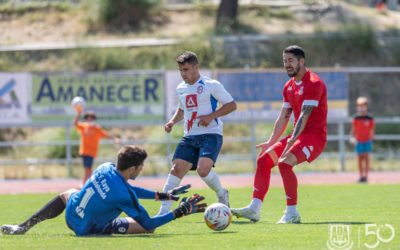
[[90, 138], [363, 127]]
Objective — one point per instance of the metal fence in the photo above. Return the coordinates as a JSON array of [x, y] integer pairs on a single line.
[[338, 135]]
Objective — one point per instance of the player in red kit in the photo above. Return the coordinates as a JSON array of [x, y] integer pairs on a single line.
[[305, 96]]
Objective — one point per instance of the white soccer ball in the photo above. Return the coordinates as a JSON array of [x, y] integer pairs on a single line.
[[218, 216], [78, 103]]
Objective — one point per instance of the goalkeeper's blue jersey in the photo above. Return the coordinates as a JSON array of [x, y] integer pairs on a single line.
[[102, 199]]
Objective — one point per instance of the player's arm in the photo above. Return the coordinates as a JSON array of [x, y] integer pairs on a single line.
[[76, 118], [205, 120], [372, 135], [186, 207], [353, 133], [173, 194], [224, 97], [300, 125], [279, 127], [177, 117]]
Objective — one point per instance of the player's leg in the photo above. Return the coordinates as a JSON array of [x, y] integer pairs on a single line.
[[360, 148], [87, 166], [360, 166], [185, 155], [210, 146], [136, 228], [125, 225], [306, 148], [265, 162], [286, 164], [178, 171], [367, 165], [52, 209], [210, 177]]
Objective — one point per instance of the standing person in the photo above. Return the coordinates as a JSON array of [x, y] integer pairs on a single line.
[[304, 95], [362, 131], [96, 207], [202, 140], [91, 134]]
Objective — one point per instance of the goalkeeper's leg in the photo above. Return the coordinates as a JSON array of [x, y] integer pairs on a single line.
[[52, 209], [178, 171]]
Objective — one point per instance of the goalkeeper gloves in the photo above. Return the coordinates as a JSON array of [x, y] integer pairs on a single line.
[[173, 193], [190, 206]]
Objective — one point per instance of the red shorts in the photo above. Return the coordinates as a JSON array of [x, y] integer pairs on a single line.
[[306, 148]]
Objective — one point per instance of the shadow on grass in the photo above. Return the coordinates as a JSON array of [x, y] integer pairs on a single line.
[[335, 222], [248, 222], [129, 235]]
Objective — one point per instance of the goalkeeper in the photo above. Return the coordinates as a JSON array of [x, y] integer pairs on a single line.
[[96, 207]]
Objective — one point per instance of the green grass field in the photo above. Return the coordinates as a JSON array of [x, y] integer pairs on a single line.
[[355, 206]]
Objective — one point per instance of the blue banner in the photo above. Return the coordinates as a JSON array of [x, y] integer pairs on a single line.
[[259, 94]]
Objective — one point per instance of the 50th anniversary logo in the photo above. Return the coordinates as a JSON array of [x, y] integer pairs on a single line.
[[370, 236]]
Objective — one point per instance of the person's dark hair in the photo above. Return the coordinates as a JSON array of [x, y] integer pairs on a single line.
[[296, 50], [130, 156], [187, 57], [88, 114]]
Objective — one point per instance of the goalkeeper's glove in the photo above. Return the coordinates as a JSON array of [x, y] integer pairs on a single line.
[[190, 206], [173, 193]]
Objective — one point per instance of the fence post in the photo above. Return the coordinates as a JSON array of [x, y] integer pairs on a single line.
[[68, 149], [342, 146], [253, 143]]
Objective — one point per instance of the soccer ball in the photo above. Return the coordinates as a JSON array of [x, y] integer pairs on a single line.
[[78, 103], [218, 216]]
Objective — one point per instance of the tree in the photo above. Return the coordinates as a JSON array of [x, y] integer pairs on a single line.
[[227, 15]]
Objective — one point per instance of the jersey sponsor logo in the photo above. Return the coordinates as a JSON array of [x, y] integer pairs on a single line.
[[199, 89], [191, 101]]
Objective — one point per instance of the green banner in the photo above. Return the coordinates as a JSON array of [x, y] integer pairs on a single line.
[[112, 95]]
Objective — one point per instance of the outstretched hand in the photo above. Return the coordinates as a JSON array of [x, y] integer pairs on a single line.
[[173, 194], [190, 206]]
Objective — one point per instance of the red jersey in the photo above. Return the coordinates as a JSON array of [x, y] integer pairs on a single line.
[[363, 127], [310, 91]]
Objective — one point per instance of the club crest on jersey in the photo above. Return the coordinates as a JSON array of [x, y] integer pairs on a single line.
[[191, 101], [301, 90], [199, 89]]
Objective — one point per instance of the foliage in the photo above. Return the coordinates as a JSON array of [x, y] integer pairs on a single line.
[[126, 13]]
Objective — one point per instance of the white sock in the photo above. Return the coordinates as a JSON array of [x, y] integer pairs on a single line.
[[291, 209], [212, 180], [255, 204], [172, 182]]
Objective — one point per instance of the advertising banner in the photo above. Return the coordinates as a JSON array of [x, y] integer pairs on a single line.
[[14, 98], [259, 94], [123, 95]]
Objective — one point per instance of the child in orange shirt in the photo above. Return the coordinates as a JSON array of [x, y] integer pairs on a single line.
[[91, 134], [363, 130]]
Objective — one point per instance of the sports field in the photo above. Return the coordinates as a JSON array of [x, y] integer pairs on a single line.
[[338, 215]]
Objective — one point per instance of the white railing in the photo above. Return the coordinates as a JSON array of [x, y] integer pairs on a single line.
[[341, 137]]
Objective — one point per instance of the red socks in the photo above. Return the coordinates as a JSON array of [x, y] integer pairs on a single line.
[[262, 176], [289, 182]]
